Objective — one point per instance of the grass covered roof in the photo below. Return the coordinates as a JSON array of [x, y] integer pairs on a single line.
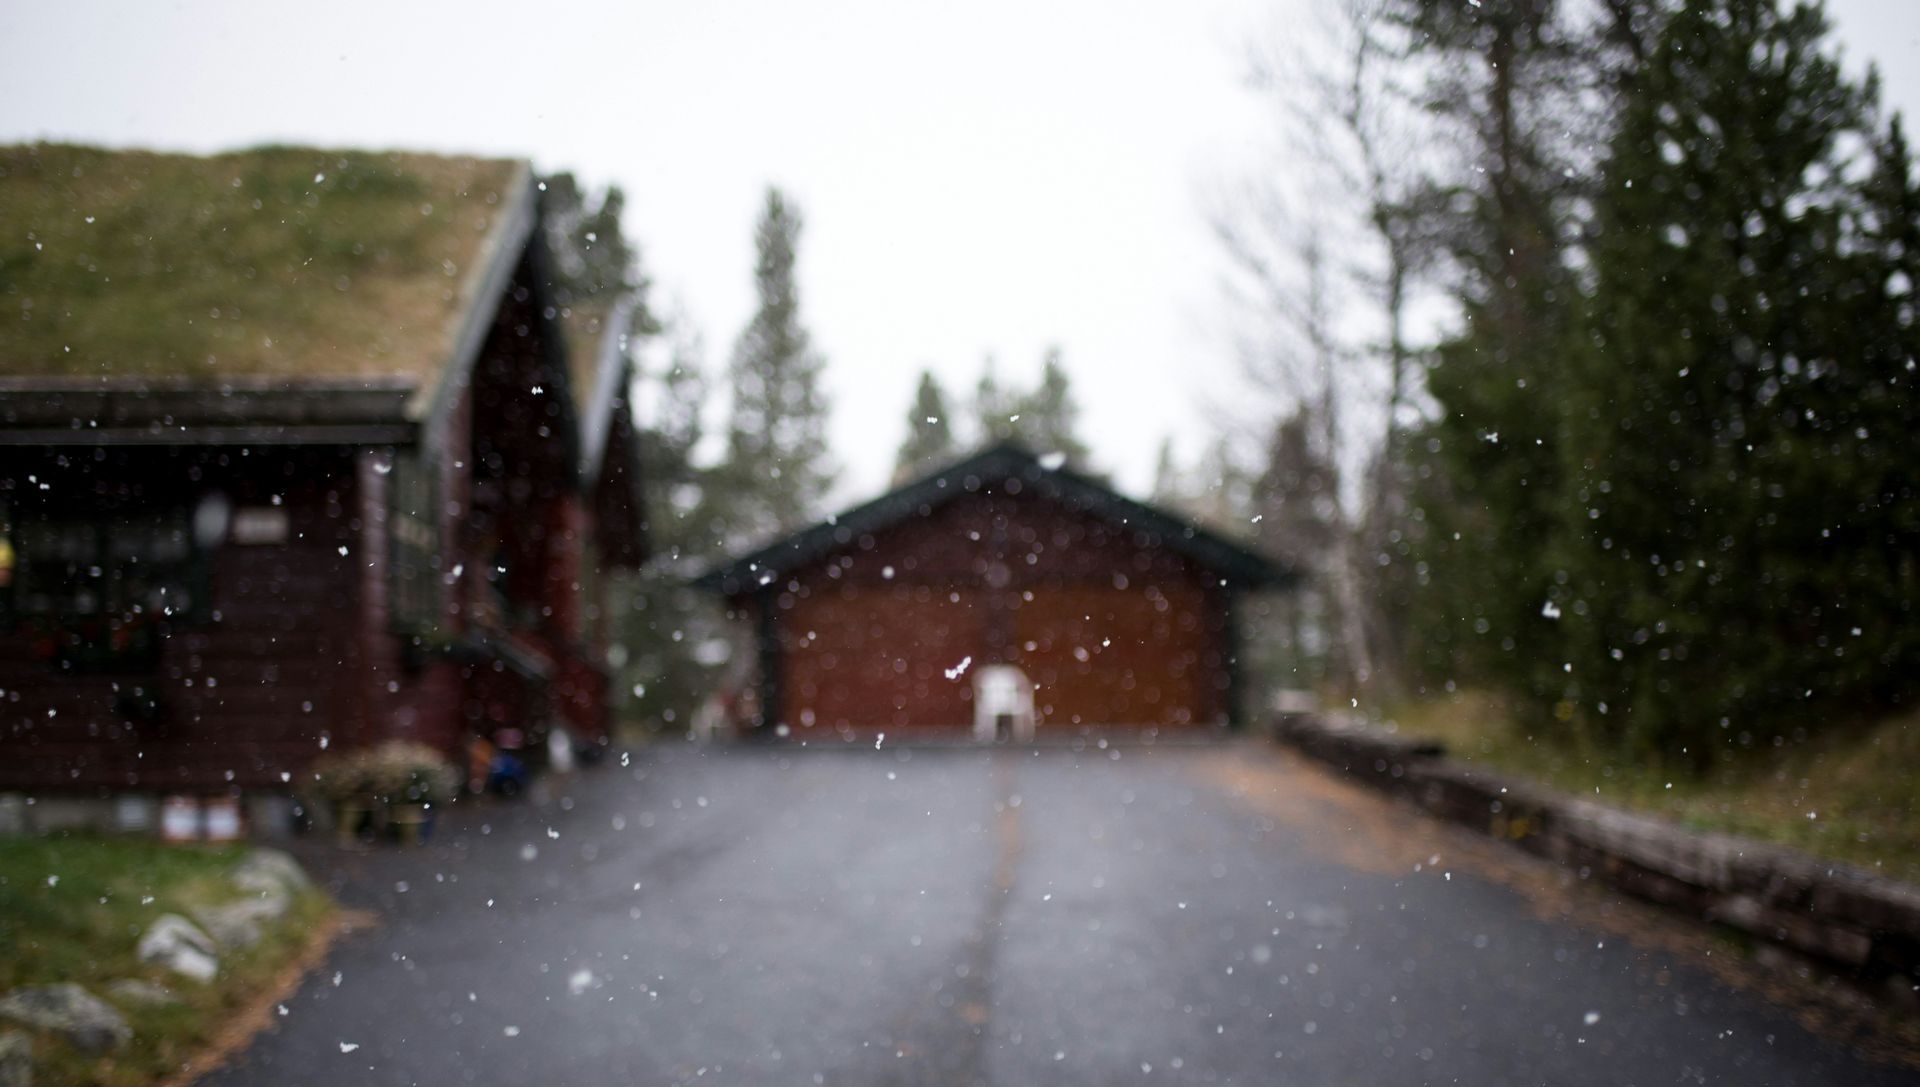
[[275, 264]]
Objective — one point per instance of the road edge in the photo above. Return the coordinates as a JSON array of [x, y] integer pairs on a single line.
[[1866, 925], [249, 1022]]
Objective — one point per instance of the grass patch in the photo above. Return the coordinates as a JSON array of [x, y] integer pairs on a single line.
[[1846, 795], [72, 908]]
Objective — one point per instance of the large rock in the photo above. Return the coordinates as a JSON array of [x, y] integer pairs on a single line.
[[270, 880], [16, 1059], [236, 924], [85, 1021], [261, 885], [266, 902], [267, 868], [175, 943]]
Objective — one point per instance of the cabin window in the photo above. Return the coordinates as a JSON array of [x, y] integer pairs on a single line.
[[414, 523], [99, 589], [123, 567]]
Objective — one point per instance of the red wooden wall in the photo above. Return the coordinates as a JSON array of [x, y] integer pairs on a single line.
[[243, 692], [298, 645], [1113, 631]]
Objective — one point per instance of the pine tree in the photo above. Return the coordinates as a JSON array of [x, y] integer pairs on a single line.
[[777, 467], [1294, 496], [929, 441], [677, 396], [1885, 656], [994, 410], [1050, 416], [1169, 489], [1501, 69], [1726, 545], [1045, 419], [593, 261], [663, 622], [1296, 518]]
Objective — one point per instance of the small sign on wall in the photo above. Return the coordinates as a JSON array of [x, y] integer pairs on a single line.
[[257, 525]]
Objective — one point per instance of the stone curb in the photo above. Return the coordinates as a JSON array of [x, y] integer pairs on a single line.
[[1847, 917]]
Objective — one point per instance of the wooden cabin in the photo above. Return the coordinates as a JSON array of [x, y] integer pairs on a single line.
[[296, 453], [1000, 574]]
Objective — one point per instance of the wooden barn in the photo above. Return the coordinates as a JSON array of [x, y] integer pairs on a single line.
[[297, 453], [1004, 595]]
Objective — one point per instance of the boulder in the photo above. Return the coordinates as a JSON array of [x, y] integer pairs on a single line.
[[232, 925], [264, 868], [16, 1059], [85, 1021], [266, 898], [140, 992], [175, 943]]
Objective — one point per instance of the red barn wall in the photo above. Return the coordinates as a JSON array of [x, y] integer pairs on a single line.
[[1113, 629]]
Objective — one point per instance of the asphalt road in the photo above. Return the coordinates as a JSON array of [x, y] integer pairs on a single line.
[[1132, 915]]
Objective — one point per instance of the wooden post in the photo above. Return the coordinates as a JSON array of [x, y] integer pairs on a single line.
[[768, 629], [1230, 656]]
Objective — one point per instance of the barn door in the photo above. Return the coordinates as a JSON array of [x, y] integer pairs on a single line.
[[1101, 656], [869, 658]]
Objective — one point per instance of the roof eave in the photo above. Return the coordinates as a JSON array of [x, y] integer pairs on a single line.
[[1239, 567], [68, 411], [610, 371], [433, 405]]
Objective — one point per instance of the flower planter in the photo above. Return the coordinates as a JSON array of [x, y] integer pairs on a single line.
[[355, 819], [412, 823], [386, 793]]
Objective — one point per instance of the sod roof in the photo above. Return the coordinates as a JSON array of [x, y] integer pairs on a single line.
[[277, 264]]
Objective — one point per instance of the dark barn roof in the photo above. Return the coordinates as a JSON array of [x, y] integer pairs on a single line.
[[985, 471]]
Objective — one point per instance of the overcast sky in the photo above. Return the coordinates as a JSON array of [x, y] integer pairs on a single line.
[[987, 178]]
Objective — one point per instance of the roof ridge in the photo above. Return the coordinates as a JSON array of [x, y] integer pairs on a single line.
[[999, 461]]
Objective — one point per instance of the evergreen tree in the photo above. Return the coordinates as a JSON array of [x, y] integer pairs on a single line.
[[1221, 492], [929, 441], [1050, 416], [1727, 543], [1296, 517], [656, 621], [1169, 490], [593, 262], [1045, 419], [777, 467], [994, 409], [1294, 496], [665, 626], [1500, 72], [673, 431]]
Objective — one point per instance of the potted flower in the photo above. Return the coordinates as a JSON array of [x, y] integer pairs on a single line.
[[389, 790], [412, 780], [343, 783]]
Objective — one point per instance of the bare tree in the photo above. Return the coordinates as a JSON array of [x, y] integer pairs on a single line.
[[1326, 260]]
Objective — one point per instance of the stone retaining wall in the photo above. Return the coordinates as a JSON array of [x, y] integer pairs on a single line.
[[1844, 916]]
